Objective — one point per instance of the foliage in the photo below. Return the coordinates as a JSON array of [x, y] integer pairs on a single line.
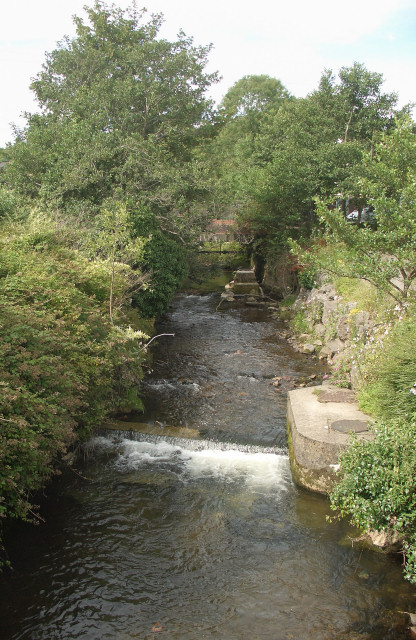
[[361, 107], [386, 255], [300, 149], [376, 486], [7, 202], [114, 243], [306, 277], [364, 294], [165, 264], [253, 94], [121, 112], [389, 391], [299, 322], [63, 365]]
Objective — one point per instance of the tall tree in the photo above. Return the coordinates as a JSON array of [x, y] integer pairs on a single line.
[[243, 110], [121, 110], [253, 94], [385, 255], [309, 147]]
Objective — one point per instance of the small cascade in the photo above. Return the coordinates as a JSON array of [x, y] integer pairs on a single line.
[[188, 460], [185, 442], [244, 285]]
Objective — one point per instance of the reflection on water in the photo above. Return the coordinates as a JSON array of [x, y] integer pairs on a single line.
[[203, 538]]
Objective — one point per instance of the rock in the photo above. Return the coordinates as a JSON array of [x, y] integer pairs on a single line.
[[412, 631], [343, 328], [329, 311], [363, 575], [328, 290], [388, 541], [332, 347], [319, 330], [308, 348], [362, 323]]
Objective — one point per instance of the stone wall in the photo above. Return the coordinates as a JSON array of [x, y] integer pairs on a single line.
[[332, 329]]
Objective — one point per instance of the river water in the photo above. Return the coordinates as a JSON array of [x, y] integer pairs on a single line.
[[205, 537]]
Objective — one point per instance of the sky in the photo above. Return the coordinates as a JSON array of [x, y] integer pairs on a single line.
[[292, 40]]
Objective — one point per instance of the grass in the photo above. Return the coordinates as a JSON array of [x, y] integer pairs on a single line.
[[367, 297]]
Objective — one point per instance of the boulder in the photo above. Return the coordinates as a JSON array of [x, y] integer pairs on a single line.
[[362, 323], [331, 348], [388, 541], [308, 348], [329, 311], [319, 330], [343, 327]]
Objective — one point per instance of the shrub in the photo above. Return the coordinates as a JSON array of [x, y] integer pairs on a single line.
[[166, 263], [306, 277], [63, 365], [376, 486]]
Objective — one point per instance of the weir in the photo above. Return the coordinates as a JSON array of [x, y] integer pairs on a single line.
[[181, 441]]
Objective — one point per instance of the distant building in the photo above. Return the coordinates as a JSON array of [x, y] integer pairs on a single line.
[[219, 231]]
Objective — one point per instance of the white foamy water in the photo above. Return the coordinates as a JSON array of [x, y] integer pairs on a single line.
[[265, 469], [195, 459]]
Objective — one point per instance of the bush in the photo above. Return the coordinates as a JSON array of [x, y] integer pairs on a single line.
[[307, 278], [376, 488], [63, 365], [166, 263]]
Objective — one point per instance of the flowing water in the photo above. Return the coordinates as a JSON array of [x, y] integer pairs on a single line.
[[203, 537]]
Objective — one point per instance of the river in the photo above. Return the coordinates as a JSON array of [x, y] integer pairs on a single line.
[[204, 537]]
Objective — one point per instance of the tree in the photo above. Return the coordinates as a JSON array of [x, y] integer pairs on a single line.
[[121, 110], [308, 147], [241, 115], [386, 180], [253, 94], [363, 107]]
